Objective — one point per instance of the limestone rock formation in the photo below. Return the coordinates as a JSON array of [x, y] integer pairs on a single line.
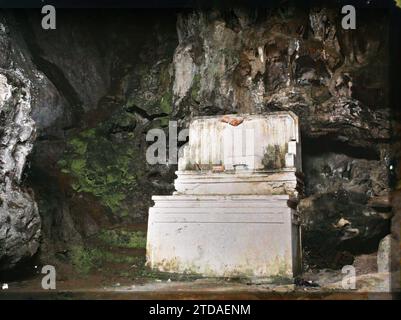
[[19, 216]]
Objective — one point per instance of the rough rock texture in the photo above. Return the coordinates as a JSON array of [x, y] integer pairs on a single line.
[[101, 81], [19, 216], [104, 84], [329, 280], [396, 240], [335, 81], [365, 264]]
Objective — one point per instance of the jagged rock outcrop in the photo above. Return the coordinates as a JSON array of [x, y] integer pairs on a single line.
[[294, 59], [19, 216], [34, 109]]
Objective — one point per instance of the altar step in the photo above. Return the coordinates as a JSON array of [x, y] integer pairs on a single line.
[[263, 201]]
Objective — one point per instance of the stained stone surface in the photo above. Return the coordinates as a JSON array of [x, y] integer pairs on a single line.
[[259, 156], [386, 246], [223, 235], [243, 182], [261, 142]]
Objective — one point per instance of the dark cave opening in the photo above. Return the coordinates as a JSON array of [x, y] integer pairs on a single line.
[[331, 144]]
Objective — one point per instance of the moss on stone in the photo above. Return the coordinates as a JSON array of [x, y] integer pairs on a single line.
[[77, 165], [81, 259], [103, 164], [155, 89], [86, 259], [123, 238], [196, 88], [274, 157], [78, 145], [166, 102]]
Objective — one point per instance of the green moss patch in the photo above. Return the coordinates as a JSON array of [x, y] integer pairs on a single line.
[[274, 157], [123, 238], [196, 88], [85, 259], [104, 163]]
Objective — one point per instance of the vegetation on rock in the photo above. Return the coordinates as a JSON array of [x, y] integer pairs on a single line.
[[105, 165]]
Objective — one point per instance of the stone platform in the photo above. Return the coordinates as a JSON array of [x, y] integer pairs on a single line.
[[233, 213], [246, 182], [228, 236]]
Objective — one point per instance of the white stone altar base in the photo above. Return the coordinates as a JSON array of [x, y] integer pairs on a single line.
[[224, 235], [234, 211]]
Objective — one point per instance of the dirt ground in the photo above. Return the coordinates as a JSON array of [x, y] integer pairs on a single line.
[[113, 267], [99, 287]]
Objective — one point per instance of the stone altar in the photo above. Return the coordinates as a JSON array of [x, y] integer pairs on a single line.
[[234, 209]]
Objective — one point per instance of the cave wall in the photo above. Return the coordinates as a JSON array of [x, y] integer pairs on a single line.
[[20, 225], [115, 77], [101, 81]]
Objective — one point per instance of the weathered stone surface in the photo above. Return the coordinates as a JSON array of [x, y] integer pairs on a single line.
[[20, 226], [386, 247], [49, 107], [258, 155], [81, 81], [114, 93], [205, 226], [258, 142], [19, 217], [395, 232], [366, 282], [344, 187], [365, 264], [210, 235]]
